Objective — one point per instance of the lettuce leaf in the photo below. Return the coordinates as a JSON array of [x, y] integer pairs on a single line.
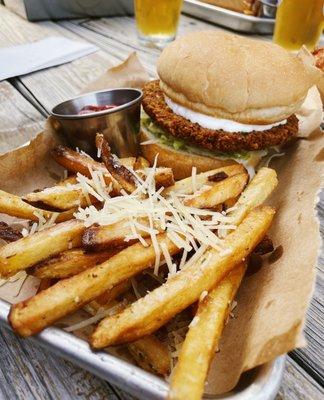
[[179, 144]]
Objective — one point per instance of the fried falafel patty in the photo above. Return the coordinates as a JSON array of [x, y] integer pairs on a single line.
[[215, 140]]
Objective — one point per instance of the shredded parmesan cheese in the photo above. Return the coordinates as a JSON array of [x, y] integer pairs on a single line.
[[187, 227], [203, 295], [149, 141], [135, 288], [102, 313], [193, 179]]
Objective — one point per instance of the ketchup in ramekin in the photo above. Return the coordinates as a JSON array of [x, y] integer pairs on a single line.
[[89, 109]]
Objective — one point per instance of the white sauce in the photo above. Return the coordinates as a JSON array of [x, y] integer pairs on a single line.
[[206, 121]]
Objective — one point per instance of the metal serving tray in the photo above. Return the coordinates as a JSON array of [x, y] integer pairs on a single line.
[[227, 18], [260, 384]]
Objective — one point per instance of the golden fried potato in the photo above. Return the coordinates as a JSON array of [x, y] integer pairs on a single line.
[[141, 163], [219, 192], [257, 191], [59, 197], [151, 354], [98, 238], [32, 249], [119, 172], [14, 206], [68, 295], [186, 186], [152, 311], [107, 297], [76, 162], [84, 164], [198, 349], [69, 263]]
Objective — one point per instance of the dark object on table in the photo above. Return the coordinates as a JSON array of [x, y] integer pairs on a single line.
[[268, 8], [36, 10]]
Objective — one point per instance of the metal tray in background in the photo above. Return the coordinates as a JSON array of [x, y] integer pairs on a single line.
[[227, 18], [260, 384]]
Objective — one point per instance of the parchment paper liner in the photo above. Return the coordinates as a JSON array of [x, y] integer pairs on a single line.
[[272, 302]]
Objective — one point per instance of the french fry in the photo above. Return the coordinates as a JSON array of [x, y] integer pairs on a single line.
[[30, 250], [152, 311], [59, 197], [150, 354], [68, 295], [70, 180], [76, 162], [257, 191], [198, 348], [108, 296], [189, 376], [219, 192], [98, 238], [230, 203], [141, 163], [44, 284], [186, 186], [128, 162], [163, 177], [118, 171], [69, 263], [14, 206]]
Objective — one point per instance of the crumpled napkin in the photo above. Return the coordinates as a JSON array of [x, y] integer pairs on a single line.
[[48, 52]]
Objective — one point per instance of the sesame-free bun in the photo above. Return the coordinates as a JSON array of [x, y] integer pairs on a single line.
[[180, 161], [233, 77]]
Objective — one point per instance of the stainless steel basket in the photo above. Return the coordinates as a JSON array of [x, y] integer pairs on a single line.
[[260, 384]]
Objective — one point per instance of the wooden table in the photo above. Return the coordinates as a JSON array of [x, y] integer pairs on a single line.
[[27, 371]]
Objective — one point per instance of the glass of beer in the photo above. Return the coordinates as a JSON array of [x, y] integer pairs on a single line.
[[298, 22], [157, 21]]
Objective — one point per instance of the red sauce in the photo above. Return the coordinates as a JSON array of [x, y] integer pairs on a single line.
[[91, 109]]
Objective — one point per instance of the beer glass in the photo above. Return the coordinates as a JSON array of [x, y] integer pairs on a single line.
[[157, 21], [298, 22]]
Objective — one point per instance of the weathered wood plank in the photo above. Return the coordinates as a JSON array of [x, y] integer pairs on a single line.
[[52, 85], [19, 120], [298, 385], [312, 357], [29, 372], [112, 46], [123, 29]]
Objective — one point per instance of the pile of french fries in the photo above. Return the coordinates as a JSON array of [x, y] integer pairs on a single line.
[[94, 267]]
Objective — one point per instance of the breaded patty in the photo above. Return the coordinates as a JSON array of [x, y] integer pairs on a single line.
[[216, 140]]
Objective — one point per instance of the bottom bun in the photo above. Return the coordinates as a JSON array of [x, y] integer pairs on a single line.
[[180, 161]]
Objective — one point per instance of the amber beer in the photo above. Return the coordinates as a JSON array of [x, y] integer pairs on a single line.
[[298, 22], [157, 20]]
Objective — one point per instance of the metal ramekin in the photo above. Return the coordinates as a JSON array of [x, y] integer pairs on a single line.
[[119, 125]]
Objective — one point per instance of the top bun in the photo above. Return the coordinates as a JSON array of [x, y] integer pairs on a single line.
[[233, 77]]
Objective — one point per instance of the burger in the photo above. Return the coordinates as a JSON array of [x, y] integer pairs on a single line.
[[221, 99]]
